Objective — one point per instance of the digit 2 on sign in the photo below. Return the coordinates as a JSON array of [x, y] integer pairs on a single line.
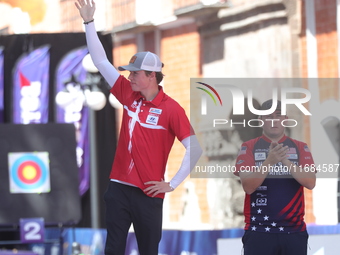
[[32, 230]]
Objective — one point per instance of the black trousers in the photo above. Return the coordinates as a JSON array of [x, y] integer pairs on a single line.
[[126, 205], [256, 243]]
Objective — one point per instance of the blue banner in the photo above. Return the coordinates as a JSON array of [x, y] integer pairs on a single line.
[[70, 75], [173, 242], [1, 85], [180, 242], [31, 87]]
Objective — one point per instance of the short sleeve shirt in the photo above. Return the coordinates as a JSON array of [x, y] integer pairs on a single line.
[[277, 206], [147, 134]]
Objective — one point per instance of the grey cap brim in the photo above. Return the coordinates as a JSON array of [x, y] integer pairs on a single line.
[[128, 68]]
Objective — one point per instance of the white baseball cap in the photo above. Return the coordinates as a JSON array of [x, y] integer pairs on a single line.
[[144, 60]]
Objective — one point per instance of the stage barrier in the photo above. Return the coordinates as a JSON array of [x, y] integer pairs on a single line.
[[323, 240]]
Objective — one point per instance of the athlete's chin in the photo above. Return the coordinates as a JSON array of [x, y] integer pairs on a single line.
[[134, 88], [275, 131]]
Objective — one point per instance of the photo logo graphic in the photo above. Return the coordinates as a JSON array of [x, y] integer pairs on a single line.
[[239, 99], [204, 99]]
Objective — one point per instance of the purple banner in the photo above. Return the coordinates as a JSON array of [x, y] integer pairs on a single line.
[[70, 108], [31, 87], [1, 85]]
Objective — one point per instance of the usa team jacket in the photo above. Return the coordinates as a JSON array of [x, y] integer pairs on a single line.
[[277, 205]]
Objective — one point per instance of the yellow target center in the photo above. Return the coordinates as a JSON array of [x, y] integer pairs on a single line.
[[29, 172]]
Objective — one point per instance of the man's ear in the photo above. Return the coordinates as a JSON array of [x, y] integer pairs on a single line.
[[153, 74]]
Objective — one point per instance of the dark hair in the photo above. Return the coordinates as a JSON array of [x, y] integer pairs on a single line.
[[159, 75]]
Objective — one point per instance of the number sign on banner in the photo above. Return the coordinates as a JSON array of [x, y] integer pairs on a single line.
[[32, 230]]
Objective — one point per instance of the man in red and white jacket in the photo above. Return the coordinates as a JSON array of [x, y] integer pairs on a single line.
[[151, 122]]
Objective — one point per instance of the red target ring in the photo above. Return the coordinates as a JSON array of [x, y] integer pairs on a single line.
[[29, 172]]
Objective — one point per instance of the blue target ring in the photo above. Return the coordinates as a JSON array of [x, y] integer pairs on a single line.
[[22, 160]]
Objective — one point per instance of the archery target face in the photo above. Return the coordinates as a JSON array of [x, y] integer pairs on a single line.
[[29, 172]]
